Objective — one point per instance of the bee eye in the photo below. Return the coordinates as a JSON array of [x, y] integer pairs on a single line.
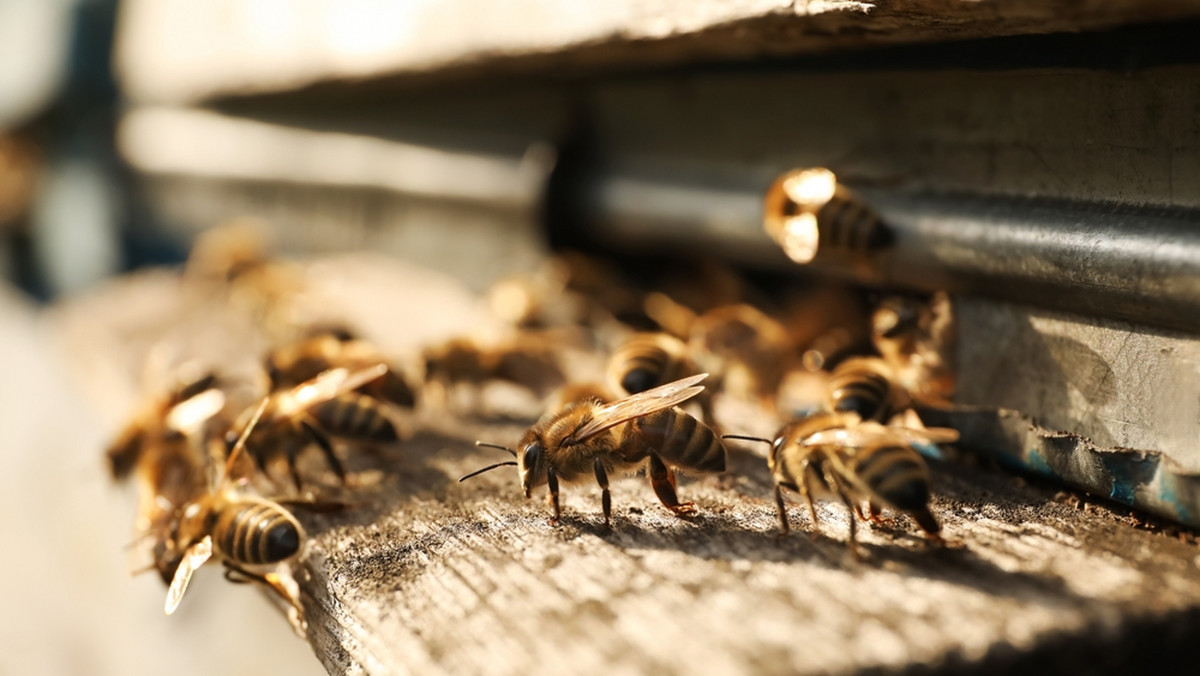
[[529, 458]]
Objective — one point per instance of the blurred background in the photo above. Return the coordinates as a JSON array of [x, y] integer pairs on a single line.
[[475, 137]]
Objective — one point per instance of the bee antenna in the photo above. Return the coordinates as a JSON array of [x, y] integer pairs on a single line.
[[503, 448], [240, 446], [141, 537], [144, 569], [745, 438], [486, 469]]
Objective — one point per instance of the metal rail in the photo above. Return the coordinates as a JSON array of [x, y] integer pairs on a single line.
[[1115, 261]]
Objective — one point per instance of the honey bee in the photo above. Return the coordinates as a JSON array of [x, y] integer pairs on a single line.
[[232, 263], [239, 529], [173, 468], [838, 454], [526, 361], [808, 212], [247, 532], [309, 413], [125, 452], [649, 360], [916, 337], [748, 350], [591, 437], [292, 364], [568, 289], [866, 386]]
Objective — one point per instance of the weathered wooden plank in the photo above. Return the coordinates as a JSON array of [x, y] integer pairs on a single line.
[[470, 577], [423, 574]]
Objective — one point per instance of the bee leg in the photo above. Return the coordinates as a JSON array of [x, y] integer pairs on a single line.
[[806, 472], [552, 484], [292, 451], [663, 482], [874, 510], [783, 519], [322, 441], [861, 514], [238, 575], [605, 495], [927, 523], [841, 491]]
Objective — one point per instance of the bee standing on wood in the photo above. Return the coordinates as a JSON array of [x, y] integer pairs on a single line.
[[246, 532], [526, 361], [170, 448], [307, 414], [590, 437], [837, 454], [294, 363], [916, 337], [125, 452]]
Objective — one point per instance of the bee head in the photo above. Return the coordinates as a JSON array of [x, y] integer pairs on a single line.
[[530, 464], [773, 454]]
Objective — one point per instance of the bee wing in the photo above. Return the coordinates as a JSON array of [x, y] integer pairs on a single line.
[[640, 404], [189, 415], [193, 558], [326, 386], [868, 435]]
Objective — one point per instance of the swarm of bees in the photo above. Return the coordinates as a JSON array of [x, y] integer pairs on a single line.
[[220, 478]]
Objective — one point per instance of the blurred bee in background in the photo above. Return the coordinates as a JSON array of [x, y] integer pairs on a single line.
[[747, 349], [150, 423], [571, 291], [231, 261], [839, 455], [589, 437], [827, 323], [808, 212], [866, 386], [649, 360], [313, 412], [172, 444], [527, 361], [917, 338], [291, 364]]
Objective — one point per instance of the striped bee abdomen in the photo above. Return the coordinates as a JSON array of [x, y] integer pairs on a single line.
[[646, 361], [896, 474], [847, 224], [861, 386], [681, 440], [356, 416], [255, 533]]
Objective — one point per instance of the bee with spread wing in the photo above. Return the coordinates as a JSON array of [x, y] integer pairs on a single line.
[[592, 437]]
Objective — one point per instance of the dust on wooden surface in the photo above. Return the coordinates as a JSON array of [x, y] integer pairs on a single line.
[[420, 573], [429, 574]]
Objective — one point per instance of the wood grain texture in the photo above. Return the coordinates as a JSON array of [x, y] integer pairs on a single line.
[[422, 574], [434, 576]]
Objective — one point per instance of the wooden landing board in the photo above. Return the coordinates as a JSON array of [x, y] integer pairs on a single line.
[[422, 574], [433, 576]]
